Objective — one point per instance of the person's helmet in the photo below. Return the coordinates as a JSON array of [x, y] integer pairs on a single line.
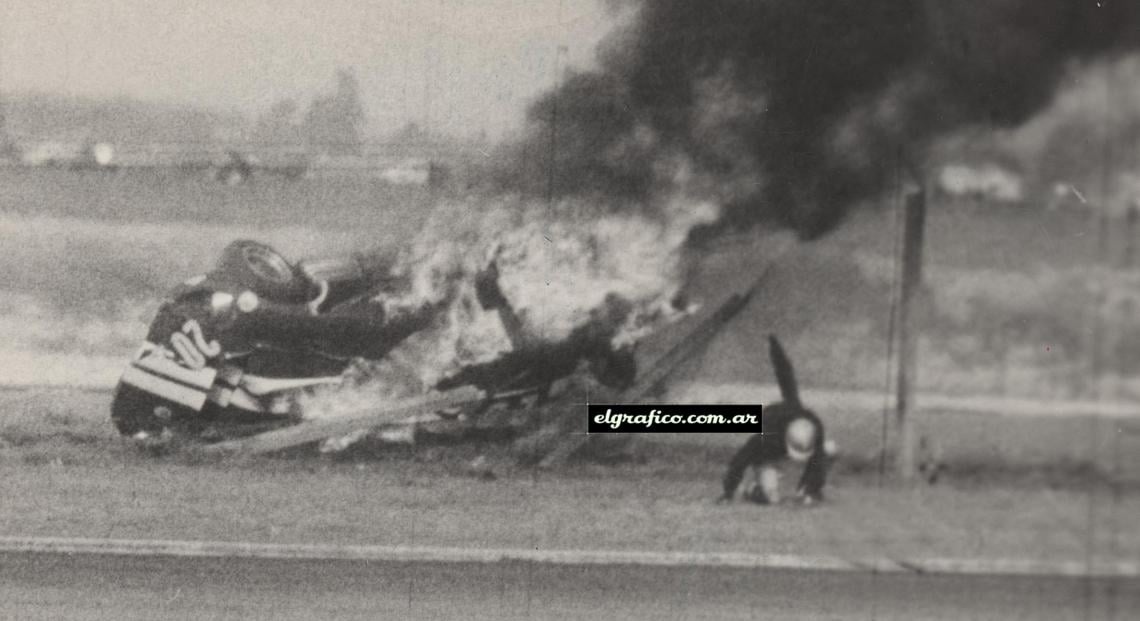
[[800, 439]]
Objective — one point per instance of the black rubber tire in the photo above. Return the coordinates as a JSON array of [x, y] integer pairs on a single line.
[[263, 270], [134, 410]]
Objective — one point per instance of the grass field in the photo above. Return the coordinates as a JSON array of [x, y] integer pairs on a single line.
[[85, 257], [1010, 305], [165, 195], [66, 474], [1010, 308], [1007, 310]]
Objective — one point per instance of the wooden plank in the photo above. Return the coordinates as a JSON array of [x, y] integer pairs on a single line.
[[408, 411], [686, 348]]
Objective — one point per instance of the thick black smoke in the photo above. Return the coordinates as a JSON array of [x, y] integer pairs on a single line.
[[796, 109]]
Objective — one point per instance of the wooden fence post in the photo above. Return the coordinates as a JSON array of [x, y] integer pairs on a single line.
[[911, 283]]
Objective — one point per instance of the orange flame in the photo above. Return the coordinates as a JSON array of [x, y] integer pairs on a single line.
[[557, 264]]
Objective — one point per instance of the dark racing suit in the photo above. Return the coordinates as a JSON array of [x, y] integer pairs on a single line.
[[769, 448]]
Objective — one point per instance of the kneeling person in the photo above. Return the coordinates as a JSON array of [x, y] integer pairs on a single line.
[[790, 436], [791, 433]]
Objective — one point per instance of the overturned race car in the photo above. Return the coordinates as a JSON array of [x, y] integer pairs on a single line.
[[232, 353]]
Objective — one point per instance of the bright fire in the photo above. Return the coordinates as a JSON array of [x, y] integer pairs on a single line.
[[556, 264]]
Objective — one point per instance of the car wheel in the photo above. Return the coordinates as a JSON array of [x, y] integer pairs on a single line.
[[134, 411], [263, 270]]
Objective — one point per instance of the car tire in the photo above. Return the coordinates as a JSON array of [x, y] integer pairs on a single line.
[[134, 411], [263, 270]]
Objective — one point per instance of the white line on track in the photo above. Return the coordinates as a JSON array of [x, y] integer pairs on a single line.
[[434, 554]]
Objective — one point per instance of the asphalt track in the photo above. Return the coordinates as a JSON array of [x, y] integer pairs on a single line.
[[35, 585]]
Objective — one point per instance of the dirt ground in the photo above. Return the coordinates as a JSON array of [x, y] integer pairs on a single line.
[[66, 474]]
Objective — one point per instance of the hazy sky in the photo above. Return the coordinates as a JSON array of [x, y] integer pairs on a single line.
[[462, 65]]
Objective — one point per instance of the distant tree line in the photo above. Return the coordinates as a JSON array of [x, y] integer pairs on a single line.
[[333, 124]]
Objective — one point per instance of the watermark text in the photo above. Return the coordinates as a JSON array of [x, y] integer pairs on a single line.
[[654, 418]]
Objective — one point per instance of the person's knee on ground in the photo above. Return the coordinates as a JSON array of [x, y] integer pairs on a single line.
[[765, 486]]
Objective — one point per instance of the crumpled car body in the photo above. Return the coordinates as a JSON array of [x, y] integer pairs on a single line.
[[230, 352]]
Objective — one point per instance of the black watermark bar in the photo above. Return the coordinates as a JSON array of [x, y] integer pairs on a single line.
[[676, 418]]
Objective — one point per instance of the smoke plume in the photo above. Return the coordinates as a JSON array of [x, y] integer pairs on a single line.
[[788, 111], [795, 110]]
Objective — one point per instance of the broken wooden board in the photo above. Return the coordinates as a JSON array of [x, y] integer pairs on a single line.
[[685, 348], [407, 412]]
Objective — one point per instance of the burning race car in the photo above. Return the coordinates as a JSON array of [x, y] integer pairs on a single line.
[[232, 353]]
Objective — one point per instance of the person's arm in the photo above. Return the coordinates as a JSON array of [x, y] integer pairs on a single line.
[[491, 297], [814, 476], [743, 458]]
